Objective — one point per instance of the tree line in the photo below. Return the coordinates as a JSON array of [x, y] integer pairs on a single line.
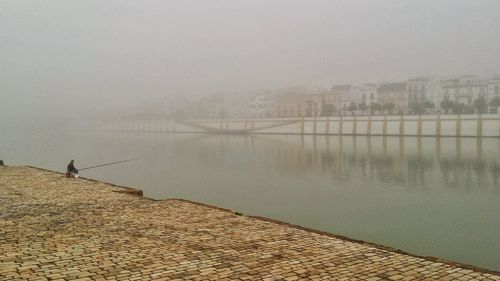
[[479, 105]]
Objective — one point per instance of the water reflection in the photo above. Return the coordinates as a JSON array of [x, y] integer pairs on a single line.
[[422, 163], [410, 162]]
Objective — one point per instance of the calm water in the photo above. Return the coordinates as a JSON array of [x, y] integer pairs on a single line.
[[425, 196]]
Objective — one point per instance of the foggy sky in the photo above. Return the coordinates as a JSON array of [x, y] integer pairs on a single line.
[[64, 55]]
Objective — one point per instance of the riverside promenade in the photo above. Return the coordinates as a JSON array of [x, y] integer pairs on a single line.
[[55, 228]]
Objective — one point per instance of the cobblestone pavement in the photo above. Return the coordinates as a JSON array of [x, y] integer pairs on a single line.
[[54, 228]]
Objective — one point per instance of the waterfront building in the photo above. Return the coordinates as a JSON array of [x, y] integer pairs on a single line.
[[393, 93], [465, 89], [303, 102], [416, 88], [424, 95], [434, 94], [421, 95], [292, 105], [325, 102], [493, 93], [293, 102], [262, 106], [358, 98], [343, 92]]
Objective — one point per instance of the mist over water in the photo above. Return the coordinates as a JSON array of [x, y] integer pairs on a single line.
[[428, 196]]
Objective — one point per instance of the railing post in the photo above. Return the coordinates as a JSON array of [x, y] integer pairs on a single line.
[[401, 126], [354, 124], [458, 126], [479, 133], [302, 126], [341, 124], [384, 126], [438, 125], [327, 128], [419, 125], [369, 125], [314, 123]]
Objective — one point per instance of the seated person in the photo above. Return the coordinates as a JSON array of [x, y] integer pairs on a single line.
[[71, 170]]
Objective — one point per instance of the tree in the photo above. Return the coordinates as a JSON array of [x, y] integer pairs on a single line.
[[328, 110], [469, 109], [389, 106], [374, 107], [363, 107], [495, 103], [458, 108], [352, 107], [480, 105], [309, 108], [428, 104], [416, 107], [446, 105]]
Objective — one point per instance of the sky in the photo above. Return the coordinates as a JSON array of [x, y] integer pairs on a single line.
[[62, 56]]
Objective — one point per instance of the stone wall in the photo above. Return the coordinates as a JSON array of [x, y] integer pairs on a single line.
[[407, 125]]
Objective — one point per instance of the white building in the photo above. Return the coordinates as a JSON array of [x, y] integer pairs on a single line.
[[343, 92], [262, 106], [465, 89], [493, 92], [395, 93], [417, 89], [434, 93], [358, 94], [494, 88], [430, 89], [422, 89], [323, 102]]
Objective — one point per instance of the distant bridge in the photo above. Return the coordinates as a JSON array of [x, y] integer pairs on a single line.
[[472, 125], [249, 127]]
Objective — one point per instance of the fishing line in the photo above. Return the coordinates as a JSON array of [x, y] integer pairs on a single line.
[[112, 163]]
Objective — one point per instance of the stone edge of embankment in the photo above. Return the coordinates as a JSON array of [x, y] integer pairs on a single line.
[[139, 193], [345, 238], [126, 189]]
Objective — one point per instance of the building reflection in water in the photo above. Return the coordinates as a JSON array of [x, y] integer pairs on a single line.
[[413, 162], [424, 163]]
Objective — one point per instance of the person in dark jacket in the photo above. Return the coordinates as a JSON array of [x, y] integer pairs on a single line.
[[71, 170]]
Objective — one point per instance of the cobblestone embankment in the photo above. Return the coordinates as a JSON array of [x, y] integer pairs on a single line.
[[54, 228]]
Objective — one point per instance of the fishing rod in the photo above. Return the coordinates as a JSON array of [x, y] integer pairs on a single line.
[[108, 164]]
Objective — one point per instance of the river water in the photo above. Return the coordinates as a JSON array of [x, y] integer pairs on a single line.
[[427, 196]]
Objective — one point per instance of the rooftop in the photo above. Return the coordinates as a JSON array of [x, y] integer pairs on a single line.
[[418, 79], [392, 87]]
